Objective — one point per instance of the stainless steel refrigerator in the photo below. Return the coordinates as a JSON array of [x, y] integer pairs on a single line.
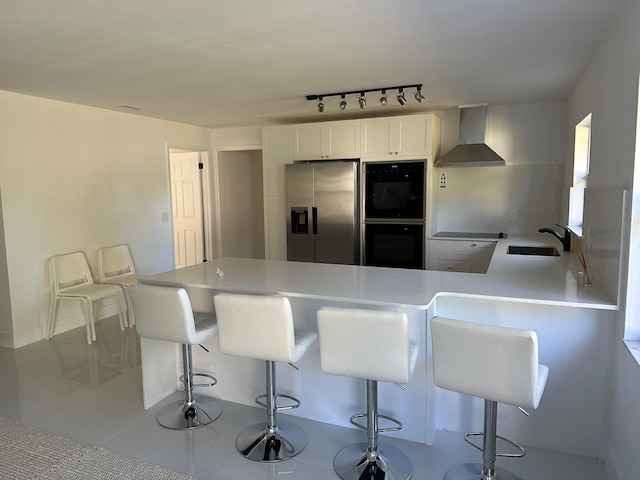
[[323, 212]]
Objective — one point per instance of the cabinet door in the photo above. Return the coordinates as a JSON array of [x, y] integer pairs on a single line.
[[378, 137], [342, 139], [308, 141], [413, 135], [275, 228], [451, 263], [450, 255], [276, 152]]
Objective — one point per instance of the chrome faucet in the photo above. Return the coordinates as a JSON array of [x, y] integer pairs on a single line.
[[566, 239]]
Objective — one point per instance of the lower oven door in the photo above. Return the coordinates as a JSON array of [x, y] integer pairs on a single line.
[[394, 245]]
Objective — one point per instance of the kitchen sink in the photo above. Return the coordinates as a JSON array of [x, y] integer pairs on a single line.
[[528, 250]]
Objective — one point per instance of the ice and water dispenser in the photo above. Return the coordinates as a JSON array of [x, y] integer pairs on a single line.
[[299, 220]]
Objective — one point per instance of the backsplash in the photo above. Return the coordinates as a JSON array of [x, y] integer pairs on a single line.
[[605, 214], [515, 199]]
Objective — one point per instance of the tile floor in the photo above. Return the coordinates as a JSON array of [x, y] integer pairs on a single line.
[[92, 394]]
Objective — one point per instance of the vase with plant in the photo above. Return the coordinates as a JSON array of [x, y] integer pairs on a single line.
[[584, 279]]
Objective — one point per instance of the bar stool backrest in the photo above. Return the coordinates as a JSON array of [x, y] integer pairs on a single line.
[[491, 362], [367, 344], [163, 313], [256, 326]]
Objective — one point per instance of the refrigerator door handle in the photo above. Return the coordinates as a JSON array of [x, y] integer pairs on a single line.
[[314, 213]]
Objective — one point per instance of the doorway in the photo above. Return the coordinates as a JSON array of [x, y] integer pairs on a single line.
[[241, 203]]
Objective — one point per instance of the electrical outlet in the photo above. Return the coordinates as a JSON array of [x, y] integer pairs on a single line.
[[552, 216], [443, 180], [513, 214]]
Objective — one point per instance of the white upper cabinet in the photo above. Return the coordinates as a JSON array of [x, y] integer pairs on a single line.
[[327, 140], [395, 137]]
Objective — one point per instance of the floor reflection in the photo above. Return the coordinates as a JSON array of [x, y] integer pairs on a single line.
[[66, 362], [81, 365]]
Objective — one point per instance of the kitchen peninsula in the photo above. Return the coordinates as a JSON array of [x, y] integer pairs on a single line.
[[574, 325]]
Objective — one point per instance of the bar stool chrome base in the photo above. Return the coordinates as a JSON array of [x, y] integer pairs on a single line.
[[356, 462], [181, 415], [263, 444], [473, 471]]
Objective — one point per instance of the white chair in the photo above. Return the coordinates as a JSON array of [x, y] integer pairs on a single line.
[[115, 267], [165, 313], [261, 327], [375, 346], [71, 279], [498, 364]]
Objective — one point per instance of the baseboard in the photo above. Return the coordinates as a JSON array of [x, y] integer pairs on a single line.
[[610, 465], [26, 337], [37, 333], [6, 340]]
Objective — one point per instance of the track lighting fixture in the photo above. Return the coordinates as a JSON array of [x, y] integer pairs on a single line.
[[343, 102], [362, 101], [383, 98], [401, 99]]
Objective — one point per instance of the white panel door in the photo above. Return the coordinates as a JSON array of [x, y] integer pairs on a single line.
[[186, 198]]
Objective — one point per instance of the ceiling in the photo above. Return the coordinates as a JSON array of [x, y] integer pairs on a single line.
[[224, 63]]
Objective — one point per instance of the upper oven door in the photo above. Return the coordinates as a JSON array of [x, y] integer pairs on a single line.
[[394, 190]]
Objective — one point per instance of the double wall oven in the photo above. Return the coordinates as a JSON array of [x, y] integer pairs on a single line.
[[394, 214]]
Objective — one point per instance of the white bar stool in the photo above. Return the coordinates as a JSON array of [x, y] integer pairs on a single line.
[[498, 364], [261, 327], [164, 313], [375, 346]]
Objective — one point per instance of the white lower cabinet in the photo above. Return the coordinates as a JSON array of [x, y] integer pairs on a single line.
[[470, 256]]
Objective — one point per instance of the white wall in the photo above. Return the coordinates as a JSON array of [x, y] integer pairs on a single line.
[[531, 139], [78, 178], [237, 137], [6, 326], [609, 90]]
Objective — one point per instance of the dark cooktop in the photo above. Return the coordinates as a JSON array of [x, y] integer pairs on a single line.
[[489, 236]]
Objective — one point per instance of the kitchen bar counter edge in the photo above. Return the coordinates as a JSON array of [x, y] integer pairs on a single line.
[[518, 278]]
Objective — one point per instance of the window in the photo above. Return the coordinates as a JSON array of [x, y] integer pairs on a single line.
[[632, 305], [580, 174]]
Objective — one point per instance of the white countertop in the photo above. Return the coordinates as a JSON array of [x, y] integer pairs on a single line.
[[520, 278]]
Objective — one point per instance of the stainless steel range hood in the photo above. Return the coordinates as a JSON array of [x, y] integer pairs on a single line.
[[472, 151]]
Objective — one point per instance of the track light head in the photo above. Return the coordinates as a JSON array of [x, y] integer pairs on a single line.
[[362, 101], [418, 96], [320, 105], [343, 102], [383, 98], [401, 99]]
